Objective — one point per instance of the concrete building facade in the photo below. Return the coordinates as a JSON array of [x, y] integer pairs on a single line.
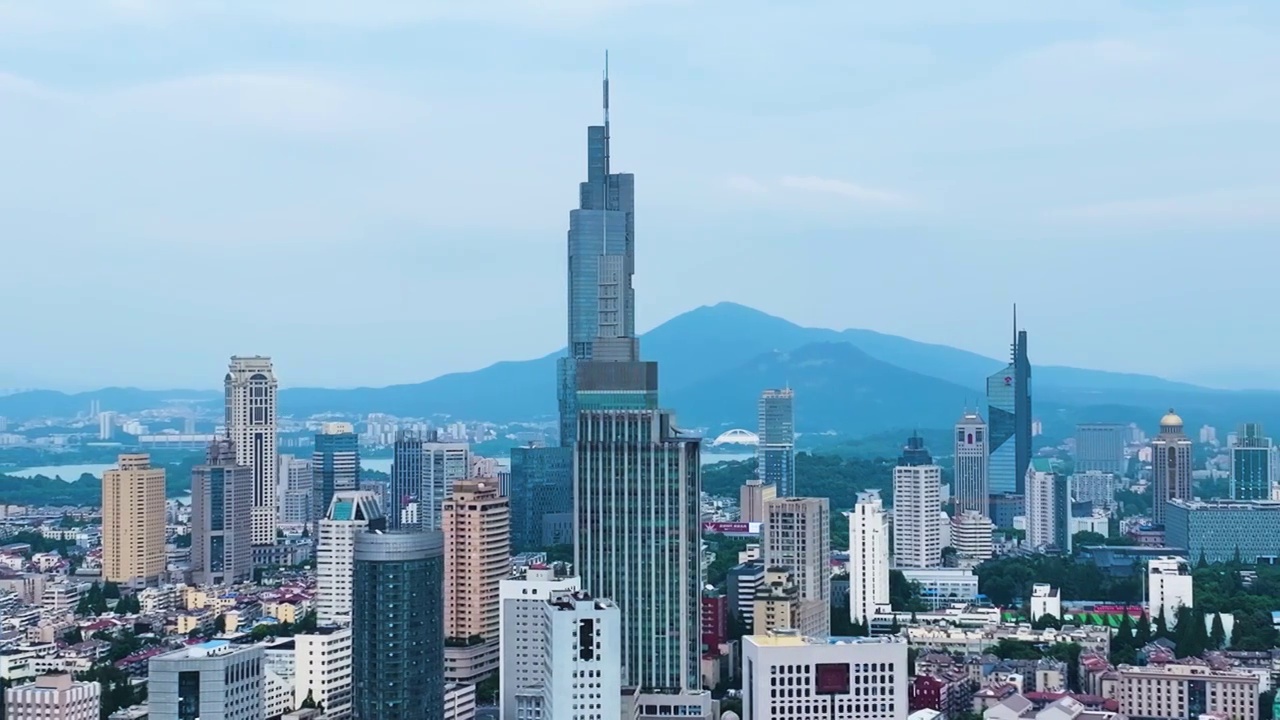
[[250, 388], [133, 522], [797, 536]]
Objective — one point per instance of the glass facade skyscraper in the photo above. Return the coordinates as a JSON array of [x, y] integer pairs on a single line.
[[1009, 421], [397, 658], [541, 486], [1100, 446], [335, 465], [637, 480], [776, 453], [423, 472], [1251, 464], [221, 511], [601, 245]]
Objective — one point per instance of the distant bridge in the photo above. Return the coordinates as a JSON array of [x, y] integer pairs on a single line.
[[736, 436]]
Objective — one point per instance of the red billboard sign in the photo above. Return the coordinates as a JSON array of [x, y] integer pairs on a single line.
[[831, 679]]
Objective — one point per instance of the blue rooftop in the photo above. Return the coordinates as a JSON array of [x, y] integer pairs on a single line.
[[213, 644]]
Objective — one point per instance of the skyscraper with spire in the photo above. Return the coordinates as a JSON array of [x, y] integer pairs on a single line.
[[636, 476], [601, 244], [1009, 419]]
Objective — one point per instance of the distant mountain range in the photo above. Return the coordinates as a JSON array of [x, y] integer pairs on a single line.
[[713, 362]]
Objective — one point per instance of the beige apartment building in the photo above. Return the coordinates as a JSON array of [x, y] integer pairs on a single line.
[[797, 536], [751, 500], [1183, 691], [133, 522], [476, 521], [777, 603]]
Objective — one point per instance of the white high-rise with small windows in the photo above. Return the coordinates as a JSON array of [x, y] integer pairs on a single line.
[[350, 512], [523, 666], [868, 558], [971, 489], [917, 499], [250, 387], [1169, 587], [786, 676], [583, 648]]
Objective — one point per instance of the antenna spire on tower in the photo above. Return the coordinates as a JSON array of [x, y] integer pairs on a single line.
[[606, 113]]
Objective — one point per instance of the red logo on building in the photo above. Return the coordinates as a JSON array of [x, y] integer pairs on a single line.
[[1008, 380]]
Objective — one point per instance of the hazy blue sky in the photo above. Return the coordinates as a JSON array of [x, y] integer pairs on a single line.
[[377, 191]]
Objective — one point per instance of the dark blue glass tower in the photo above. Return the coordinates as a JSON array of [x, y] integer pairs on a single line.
[[397, 626], [1009, 420], [335, 465]]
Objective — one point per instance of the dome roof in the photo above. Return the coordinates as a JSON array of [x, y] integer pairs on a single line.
[[729, 715], [1171, 419]]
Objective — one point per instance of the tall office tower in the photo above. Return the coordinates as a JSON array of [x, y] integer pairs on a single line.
[[477, 557], [1170, 466], [637, 481], [797, 536], [251, 410], [350, 513], [868, 558], [54, 697], [601, 245], [862, 677], [214, 679], [1009, 419], [335, 465], [583, 656], [1041, 511], [423, 472], [523, 674], [1251, 464], [752, 498], [541, 494], [398, 626], [221, 529], [917, 498], [295, 479], [971, 489], [776, 453], [133, 522], [971, 535], [1100, 446], [1169, 587]]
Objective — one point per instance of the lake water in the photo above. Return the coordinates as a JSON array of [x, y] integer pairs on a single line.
[[71, 473]]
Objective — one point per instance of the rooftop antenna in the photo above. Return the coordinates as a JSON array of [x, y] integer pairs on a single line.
[[606, 112], [1015, 327]]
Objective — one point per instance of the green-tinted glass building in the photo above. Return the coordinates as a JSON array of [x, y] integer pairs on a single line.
[[397, 628], [1251, 464], [1219, 529], [637, 483]]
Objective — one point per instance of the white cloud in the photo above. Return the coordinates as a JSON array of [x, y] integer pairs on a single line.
[[1224, 206], [858, 193]]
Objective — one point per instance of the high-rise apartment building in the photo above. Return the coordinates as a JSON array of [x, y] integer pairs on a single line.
[[524, 668], [251, 416], [221, 525], [868, 558], [477, 557], [214, 679], [133, 522], [296, 507], [322, 670], [971, 489], [1170, 466], [862, 678], [776, 453], [638, 479], [752, 498], [423, 472], [797, 536], [1100, 447], [350, 513], [335, 465], [583, 654], [777, 603], [601, 254], [917, 500], [55, 696], [971, 535], [1009, 420], [1041, 513], [541, 493], [1251, 464], [1095, 487], [397, 626]]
